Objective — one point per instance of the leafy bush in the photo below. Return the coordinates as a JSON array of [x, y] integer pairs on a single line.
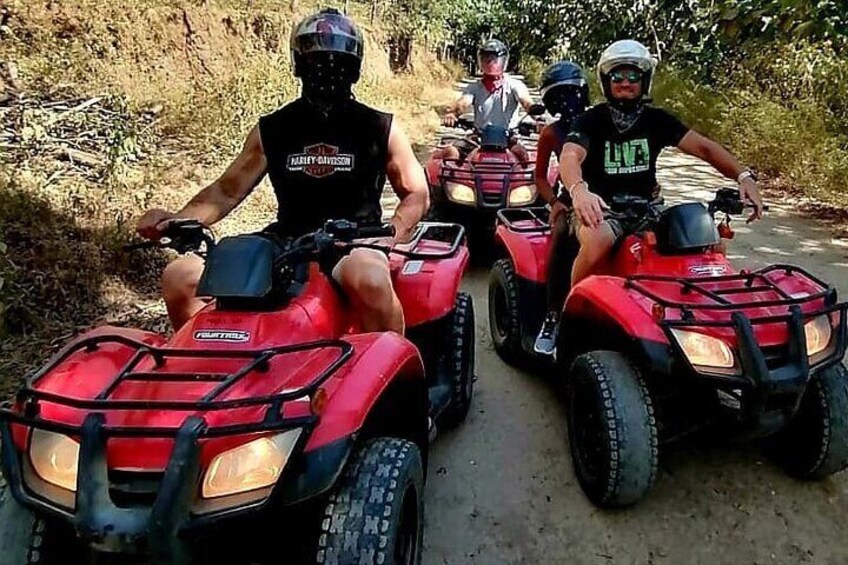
[[532, 68]]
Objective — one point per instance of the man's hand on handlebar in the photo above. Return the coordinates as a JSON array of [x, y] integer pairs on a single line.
[[449, 120], [154, 222], [749, 193]]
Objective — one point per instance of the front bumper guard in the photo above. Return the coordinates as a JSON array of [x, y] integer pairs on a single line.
[[770, 396]]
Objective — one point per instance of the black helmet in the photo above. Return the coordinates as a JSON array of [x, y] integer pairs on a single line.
[[564, 89], [493, 50], [328, 32]]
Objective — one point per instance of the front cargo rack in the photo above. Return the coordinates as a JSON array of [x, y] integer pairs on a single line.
[[752, 282], [29, 398]]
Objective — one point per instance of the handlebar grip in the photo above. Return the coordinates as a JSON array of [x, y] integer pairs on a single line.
[[387, 230]]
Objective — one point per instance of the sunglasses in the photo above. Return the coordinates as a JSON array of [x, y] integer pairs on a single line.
[[631, 76]]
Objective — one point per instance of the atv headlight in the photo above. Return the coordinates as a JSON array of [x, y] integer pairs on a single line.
[[55, 458], [703, 350], [251, 466], [460, 193], [818, 332], [522, 195]]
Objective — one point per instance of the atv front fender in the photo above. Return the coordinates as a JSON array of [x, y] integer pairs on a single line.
[[380, 360], [381, 391], [600, 313]]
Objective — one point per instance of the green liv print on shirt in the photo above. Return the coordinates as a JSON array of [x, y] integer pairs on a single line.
[[628, 157]]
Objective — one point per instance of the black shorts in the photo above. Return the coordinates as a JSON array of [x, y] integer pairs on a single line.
[[327, 261], [620, 229]]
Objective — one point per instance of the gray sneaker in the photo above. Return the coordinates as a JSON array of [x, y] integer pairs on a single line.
[[547, 338]]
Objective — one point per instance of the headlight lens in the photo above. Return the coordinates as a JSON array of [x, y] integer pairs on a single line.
[[55, 458], [522, 195], [254, 465], [703, 350], [818, 332], [460, 193]]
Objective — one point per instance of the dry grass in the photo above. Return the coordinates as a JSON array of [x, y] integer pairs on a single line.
[[178, 87]]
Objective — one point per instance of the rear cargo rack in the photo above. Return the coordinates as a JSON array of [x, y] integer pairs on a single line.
[[525, 220], [29, 396], [752, 282], [445, 232]]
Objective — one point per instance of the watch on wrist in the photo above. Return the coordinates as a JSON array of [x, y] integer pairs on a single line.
[[746, 174]]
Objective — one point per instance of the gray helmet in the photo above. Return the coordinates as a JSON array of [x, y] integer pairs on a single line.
[[328, 31], [493, 48]]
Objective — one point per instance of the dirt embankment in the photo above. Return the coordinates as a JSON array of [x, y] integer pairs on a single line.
[[108, 108]]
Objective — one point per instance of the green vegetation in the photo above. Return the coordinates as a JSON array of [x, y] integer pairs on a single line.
[[767, 77], [108, 108]]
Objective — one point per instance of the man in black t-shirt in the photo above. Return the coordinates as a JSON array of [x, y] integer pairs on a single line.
[[613, 149], [327, 157]]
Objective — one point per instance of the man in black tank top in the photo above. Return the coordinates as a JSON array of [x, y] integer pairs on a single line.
[[327, 157]]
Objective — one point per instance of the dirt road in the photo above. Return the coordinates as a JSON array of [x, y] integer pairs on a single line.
[[502, 490]]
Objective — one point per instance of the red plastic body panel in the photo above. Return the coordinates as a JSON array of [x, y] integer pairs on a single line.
[[427, 288], [319, 313], [604, 298], [378, 361], [528, 250]]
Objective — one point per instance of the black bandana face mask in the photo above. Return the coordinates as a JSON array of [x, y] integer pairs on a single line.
[[327, 79], [623, 119]]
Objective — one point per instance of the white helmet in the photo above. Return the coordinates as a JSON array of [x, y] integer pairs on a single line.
[[626, 52]]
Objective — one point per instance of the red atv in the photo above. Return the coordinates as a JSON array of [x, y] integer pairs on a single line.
[[669, 337], [269, 414], [471, 190]]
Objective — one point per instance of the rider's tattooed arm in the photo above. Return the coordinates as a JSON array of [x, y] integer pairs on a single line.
[[407, 178], [713, 153], [219, 198]]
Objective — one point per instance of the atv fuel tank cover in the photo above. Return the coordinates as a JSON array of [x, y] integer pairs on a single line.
[[240, 266], [686, 228]]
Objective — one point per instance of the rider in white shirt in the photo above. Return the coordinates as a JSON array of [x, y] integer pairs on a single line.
[[495, 98]]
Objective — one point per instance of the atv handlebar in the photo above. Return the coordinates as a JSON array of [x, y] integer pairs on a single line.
[[629, 207], [465, 123], [347, 231], [183, 236], [727, 200]]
